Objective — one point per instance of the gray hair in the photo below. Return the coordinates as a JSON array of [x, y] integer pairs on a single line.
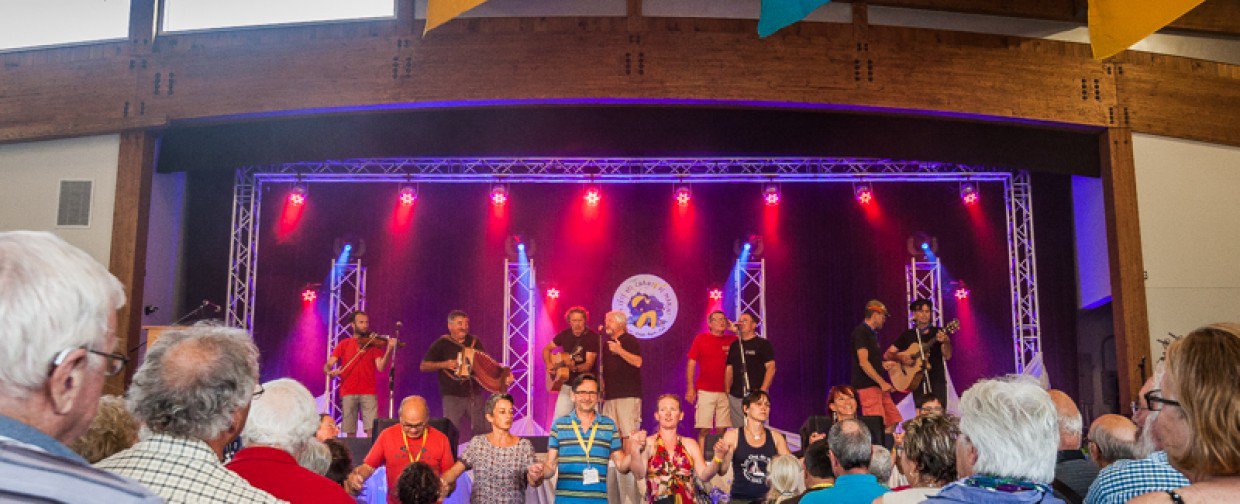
[[1111, 447], [316, 457], [850, 443], [489, 407], [54, 297], [617, 316], [283, 417], [194, 380], [1013, 425], [880, 464], [787, 479]]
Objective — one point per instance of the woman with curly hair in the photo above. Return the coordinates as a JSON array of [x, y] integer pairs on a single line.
[[418, 484], [928, 458]]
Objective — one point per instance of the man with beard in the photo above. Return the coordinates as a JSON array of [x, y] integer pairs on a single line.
[[580, 347], [360, 358], [873, 391]]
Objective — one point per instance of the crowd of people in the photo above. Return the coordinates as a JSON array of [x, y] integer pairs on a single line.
[[174, 435]]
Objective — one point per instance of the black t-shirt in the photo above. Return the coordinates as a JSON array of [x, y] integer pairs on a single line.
[[620, 378], [758, 352], [865, 337], [444, 349], [577, 346], [934, 352]]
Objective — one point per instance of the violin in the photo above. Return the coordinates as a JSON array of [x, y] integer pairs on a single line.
[[376, 341]]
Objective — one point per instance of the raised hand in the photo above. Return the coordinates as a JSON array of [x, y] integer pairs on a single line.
[[815, 437], [639, 439], [722, 448]]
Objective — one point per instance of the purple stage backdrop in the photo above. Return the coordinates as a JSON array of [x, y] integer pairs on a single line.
[[826, 255]]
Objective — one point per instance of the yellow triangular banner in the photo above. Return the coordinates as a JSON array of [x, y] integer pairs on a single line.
[[1115, 25], [441, 11]]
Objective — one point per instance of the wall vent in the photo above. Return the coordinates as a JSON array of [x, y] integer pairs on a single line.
[[73, 208]]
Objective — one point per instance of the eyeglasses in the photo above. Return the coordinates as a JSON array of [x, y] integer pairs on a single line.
[[116, 361], [413, 427], [259, 392], [586, 392], [1152, 400]]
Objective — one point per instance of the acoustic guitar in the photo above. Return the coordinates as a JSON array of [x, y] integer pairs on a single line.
[[903, 377], [558, 370]]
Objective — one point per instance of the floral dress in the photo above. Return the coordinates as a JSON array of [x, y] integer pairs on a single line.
[[669, 475]]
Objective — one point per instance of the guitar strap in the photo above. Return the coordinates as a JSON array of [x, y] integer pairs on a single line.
[[925, 369]]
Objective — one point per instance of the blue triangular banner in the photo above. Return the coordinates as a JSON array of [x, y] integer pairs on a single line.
[[776, 14]]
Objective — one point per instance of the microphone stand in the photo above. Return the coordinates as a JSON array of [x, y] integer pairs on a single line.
[[925, 368], [392, 377]]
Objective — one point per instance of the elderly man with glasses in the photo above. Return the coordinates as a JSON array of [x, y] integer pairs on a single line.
[[58, 309], [398, 446]]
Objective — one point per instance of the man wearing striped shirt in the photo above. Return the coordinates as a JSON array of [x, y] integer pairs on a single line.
[[579, 447]]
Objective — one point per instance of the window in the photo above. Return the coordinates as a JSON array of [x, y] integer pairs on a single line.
[[188, 15], [36, 23]]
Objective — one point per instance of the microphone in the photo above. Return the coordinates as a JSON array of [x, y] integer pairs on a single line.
[[214, 307], [398, 324]]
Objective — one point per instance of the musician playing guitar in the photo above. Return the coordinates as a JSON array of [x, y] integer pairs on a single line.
[[932, 344], [359, 357], [462, 398], [579, 348]]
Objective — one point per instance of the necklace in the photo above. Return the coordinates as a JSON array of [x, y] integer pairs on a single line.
[[756, 435]]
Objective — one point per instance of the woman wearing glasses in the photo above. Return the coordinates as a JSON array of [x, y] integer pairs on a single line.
[[1199, 423], [499, 459]]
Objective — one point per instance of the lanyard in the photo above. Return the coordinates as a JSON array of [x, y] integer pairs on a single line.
[[581, 442], [421, 450]]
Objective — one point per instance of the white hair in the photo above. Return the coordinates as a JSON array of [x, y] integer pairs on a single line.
[[617, 316], [283, 417], [1013, 425], [787, 478], [316, 457], [880, 463], [193, 380], [53, 297]]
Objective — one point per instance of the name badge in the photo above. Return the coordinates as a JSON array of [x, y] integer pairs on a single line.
[[589, 476]]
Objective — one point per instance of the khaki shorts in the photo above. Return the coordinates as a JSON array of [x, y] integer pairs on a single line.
[[711, 410], [626, 412]]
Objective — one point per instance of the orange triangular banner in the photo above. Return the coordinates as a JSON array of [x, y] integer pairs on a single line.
[[1115, 25], [441, 11]]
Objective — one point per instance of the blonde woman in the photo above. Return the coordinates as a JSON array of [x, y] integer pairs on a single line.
[[787, 479]]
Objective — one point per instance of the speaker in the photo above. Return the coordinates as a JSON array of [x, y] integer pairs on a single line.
[[439, 423]]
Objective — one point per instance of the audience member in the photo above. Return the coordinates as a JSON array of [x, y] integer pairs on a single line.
[[280, 429], [112, 430], [749, 449], [850, 452], [316, 457], [1199, 423], [1113, 437], [819, 474], [927, 459], [417, 484], [1073, 472], [58, 310], [1125, 479], [842, 403], [1006, 449], [341, 462], [880, 464], [581, 465], [407, 442], [327, 428], [500, 460], [669, 462], [193, 395], [786, 479], [930, 405]]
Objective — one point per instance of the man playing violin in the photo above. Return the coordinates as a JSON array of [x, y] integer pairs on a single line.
[[360, 358], [462, 397]]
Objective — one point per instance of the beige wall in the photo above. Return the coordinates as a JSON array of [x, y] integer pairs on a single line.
[[30, 175], [1189, 199]]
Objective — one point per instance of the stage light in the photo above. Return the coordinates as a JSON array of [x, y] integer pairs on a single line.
[[593, 195], [309, 295], [969, 193], [297, 196], [863, 192], [962, 294], [553, 293], [499, 194], [683, 195], [521, 247], [716, 294], [746, 247], [408, 195], [771, 195]]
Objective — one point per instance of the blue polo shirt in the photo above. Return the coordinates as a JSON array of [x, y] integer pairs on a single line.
[[573, 459], [849, 488]]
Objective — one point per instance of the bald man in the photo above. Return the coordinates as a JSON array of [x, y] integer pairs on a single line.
[[1111, 438], [412, 440], [1073, 472]]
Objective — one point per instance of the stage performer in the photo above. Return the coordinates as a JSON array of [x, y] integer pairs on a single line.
[[360, 358], [586, 440], [936, 345], [873, 391], [412, 440], [708, 356], [669, 462], [751, 365], [579, 348], [622, 393], [462, 396], [749, 449]]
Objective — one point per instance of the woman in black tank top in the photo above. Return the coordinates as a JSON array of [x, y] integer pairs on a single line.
[[753, 447]]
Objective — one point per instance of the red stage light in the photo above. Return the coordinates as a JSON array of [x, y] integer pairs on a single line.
[[716, 294], [771, 195], [407, 196], [593, 196], [962, 293], [683, 195], [309, 295], [970, 199], [553, 293], [969, 193], [864, 193], [499, 194]]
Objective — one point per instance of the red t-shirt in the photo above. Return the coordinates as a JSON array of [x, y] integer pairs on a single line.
[[711, 354], [389, 451], [276, 472], [359, 377]]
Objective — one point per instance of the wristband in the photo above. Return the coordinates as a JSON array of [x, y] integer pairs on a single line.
[[717, 460]]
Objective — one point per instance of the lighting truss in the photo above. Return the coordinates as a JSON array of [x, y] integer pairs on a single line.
[[348, 294], [750, 284], [519, 317], [924, 280], [247, 195]]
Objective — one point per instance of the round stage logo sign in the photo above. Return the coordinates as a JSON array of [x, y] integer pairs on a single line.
[[650, 304]]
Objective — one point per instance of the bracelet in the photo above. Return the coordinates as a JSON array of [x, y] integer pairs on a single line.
[[717, 460]]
